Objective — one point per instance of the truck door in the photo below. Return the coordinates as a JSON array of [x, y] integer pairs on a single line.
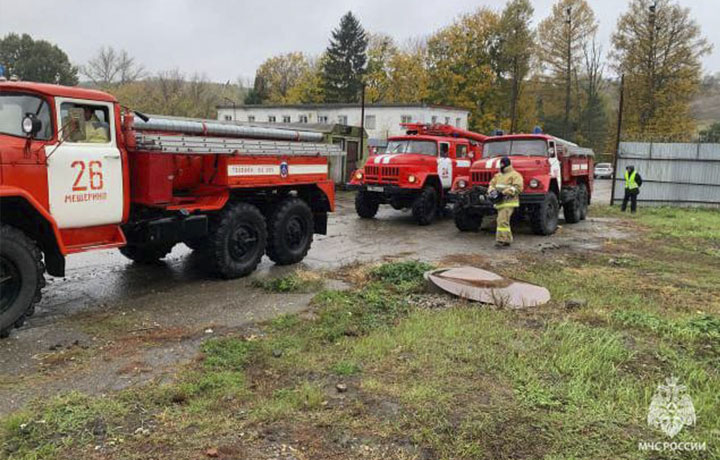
[[462, 159], [445, 165], [85, 167]]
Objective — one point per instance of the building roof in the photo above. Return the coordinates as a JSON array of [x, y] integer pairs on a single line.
[[58, 90], [339, 106]]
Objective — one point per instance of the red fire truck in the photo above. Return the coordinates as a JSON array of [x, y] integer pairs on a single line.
[[556, 173], [416, 170], [78, 173]]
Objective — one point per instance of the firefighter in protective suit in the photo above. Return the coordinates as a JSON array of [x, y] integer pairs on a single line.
[[507, 185]]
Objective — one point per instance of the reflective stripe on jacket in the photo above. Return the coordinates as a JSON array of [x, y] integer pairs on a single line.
[[630, 183], [510, 184]]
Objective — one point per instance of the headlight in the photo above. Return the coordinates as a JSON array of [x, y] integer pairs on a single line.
[[534, 183], [358, 175], [412, 179], [461, 183]]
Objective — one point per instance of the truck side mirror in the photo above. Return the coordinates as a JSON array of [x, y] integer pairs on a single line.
[[31, 125]]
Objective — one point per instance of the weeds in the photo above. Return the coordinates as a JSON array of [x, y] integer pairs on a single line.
[[462, 382], [297, 282]]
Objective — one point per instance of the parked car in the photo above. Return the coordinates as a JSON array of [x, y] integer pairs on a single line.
[[603, 171]]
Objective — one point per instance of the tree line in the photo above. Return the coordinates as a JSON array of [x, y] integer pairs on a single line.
[[512, 76], [508, 74]]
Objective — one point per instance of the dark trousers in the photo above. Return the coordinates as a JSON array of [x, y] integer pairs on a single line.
[[632, 196]]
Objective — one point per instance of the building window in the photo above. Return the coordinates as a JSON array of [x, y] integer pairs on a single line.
[[286, 118], [228, 117], [322, 119], [405, 118], [271, 119], [447, 120], [303, 118], [433, 119], [369, 121], [342, 119], [458, 122], [251, 118]]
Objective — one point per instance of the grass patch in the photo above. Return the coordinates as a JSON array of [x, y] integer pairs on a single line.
[[296, 282], [404, 276], [697, 327], [463, 382]]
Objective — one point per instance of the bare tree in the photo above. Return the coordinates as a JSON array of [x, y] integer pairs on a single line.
[[109, 67]]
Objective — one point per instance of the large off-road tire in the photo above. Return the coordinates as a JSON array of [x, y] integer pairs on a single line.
[[290, 231], [148, 253], [236, 241], [571, 209], [544, 217], [21, 278], [366, 205], [584, 201], [425, 206], [465, 221]]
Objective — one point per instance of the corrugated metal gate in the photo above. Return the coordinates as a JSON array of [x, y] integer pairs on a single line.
[[672, 173]]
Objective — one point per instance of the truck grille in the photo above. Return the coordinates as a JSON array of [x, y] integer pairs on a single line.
[[481, 177], [382, 174]]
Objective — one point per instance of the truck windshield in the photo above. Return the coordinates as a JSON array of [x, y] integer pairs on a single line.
[[526, 147], [14, 107], [409, 146]]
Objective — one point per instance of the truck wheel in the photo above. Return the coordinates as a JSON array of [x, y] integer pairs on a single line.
[[366, 205], [584, 201], [466, 221], [571, 209], [290, 232], [237, 241], [544, 218], [21, 278], [146, 253], [425, 206]]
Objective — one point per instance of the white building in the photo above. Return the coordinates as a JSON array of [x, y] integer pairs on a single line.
[[381, 120]]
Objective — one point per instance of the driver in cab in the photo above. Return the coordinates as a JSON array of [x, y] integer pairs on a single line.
[[95, 130]]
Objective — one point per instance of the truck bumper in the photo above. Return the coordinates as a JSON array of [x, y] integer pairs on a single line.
[[386, 191], [475, 198]]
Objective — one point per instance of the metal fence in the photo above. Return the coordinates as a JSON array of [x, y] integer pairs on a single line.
[[673, 173]]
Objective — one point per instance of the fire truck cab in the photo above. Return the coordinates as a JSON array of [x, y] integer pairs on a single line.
[[77, 173], [415, 170], [557, 173]]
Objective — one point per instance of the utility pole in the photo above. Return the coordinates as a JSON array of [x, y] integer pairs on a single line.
[[568, 75], [650, 111], [234, 107], [617, 139], [362, 118]]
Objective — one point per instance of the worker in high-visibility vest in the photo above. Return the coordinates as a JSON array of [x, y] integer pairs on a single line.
[[508, 184], [633, 181]]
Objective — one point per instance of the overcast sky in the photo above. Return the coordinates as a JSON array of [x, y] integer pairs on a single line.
[[226, 39]]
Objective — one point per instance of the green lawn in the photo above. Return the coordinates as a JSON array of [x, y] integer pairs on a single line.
[[461, 382]]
